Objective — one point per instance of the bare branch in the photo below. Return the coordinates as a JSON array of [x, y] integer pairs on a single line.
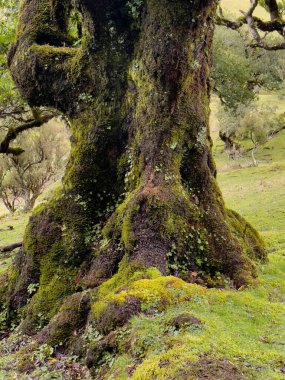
[[250, 22], [255, 24], [280, 46]]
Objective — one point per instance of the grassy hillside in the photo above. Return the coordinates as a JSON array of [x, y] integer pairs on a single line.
[[12, 227], [11, 231], [235, 5]]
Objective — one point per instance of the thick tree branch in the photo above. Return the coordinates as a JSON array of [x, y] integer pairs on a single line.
[[273, 9], [264, 26], [44, 63], [14, 132], [276, 131], [264, 46]]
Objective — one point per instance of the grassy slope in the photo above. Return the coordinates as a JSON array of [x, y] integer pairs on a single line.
[[18, 222], [9, 236], [236, 5]]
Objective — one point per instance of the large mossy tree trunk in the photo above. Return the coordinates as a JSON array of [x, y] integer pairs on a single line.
[[140, 186]]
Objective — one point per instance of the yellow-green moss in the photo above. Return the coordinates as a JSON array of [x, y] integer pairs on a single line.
[[149, 286]]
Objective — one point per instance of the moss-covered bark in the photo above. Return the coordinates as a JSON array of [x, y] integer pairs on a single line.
[[140, 186]]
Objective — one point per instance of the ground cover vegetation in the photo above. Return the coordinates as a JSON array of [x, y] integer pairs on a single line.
[[136, 268]]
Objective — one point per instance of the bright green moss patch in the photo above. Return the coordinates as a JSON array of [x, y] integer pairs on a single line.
[[151, 288], [245, 327]]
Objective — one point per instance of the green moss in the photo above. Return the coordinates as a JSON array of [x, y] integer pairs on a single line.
[[71, 316], [237, 326], [54, 53], [148, 286], [253, 243], [128, 237]]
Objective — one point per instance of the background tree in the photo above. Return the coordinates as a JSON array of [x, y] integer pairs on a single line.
[[10, 193], [258, 124], [25, 176], [239, 75], [140, 188], [8, 19]]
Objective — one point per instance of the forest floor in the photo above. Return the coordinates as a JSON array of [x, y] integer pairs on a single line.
[[209, 333]]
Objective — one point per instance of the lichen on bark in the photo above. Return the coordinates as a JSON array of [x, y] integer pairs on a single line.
[[140, 186]]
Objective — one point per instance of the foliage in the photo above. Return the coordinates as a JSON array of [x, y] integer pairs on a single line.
[[239, 73], [254, 123], [232, 71], [8, 19]]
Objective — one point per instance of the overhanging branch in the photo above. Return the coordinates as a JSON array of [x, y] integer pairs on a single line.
[[256, 25], [14, 132]]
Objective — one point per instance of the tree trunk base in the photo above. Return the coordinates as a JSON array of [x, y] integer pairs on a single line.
[[155, 227]]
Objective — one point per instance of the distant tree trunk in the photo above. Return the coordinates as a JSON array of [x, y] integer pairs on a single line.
[[9, 206], [9, 201], [231, 147], [30, 200], [253, 151], [140, 183]]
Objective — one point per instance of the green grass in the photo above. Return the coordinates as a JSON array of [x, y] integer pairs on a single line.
[[10, 235], [273, 100], [3, 210], [17, 223], [256, 192]]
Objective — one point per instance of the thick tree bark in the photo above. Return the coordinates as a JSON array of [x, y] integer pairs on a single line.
[[140, 184]]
